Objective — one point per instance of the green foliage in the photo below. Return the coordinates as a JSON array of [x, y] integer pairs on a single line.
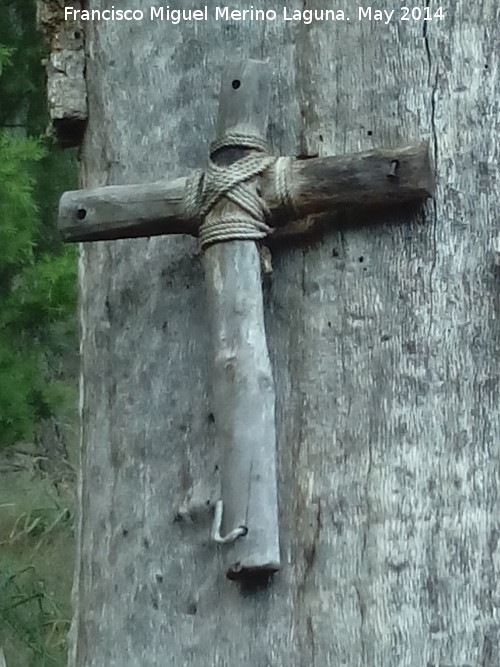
[[17, 208], [36, 554], [21, 89], [37, 291], [37, 339], [5, 57], [37, 274], [42, 294], [33, 617]]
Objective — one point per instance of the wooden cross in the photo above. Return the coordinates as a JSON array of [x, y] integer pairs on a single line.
[[290, 192]]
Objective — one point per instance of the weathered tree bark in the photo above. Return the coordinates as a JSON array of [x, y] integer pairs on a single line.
[[384, 344]]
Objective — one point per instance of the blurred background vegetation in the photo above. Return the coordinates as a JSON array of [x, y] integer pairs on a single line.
[[38, 358]]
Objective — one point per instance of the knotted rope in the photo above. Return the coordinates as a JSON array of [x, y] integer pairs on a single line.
[[234, 182]]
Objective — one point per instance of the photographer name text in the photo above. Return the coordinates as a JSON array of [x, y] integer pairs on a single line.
[[223, 13]]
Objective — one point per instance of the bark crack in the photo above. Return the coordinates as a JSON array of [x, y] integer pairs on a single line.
[[310, 635], [362, 610], [310, 551], [360, 588], [343, 327], [436, 155], [434, 84]]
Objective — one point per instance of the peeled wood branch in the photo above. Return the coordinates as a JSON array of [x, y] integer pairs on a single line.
[[388, 176], [243, 394]]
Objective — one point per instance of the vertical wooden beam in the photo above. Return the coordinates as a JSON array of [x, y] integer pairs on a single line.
[[243, 386]]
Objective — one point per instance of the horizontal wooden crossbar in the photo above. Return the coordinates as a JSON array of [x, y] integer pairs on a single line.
[[388, 176]]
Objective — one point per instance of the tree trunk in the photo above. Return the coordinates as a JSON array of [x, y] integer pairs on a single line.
[[383, 337]]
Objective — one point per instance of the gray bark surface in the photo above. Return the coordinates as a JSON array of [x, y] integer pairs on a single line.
[[384, 344]]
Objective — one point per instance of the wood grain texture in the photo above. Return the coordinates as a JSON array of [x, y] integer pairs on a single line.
[[243, 395], [317, 185], [125, 211], [385, 342]]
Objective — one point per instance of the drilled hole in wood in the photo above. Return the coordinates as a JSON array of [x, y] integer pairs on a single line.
[[236, 84], [191, 609], [81, 213]]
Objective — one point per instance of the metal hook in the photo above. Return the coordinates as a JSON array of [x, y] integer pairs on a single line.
[[233, 535]]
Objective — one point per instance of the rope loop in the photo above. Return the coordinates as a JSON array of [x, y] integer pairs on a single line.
[[235, 183], [239, 140]]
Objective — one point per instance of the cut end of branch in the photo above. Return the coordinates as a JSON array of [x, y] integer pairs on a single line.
[[255, 576]]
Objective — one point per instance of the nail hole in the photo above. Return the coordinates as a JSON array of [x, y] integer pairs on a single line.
[[191, 609], [486, 67], [77, 35], [369, 133], [361, 260], [236, 84], [159, 578], [81, 213], [211, 418]]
